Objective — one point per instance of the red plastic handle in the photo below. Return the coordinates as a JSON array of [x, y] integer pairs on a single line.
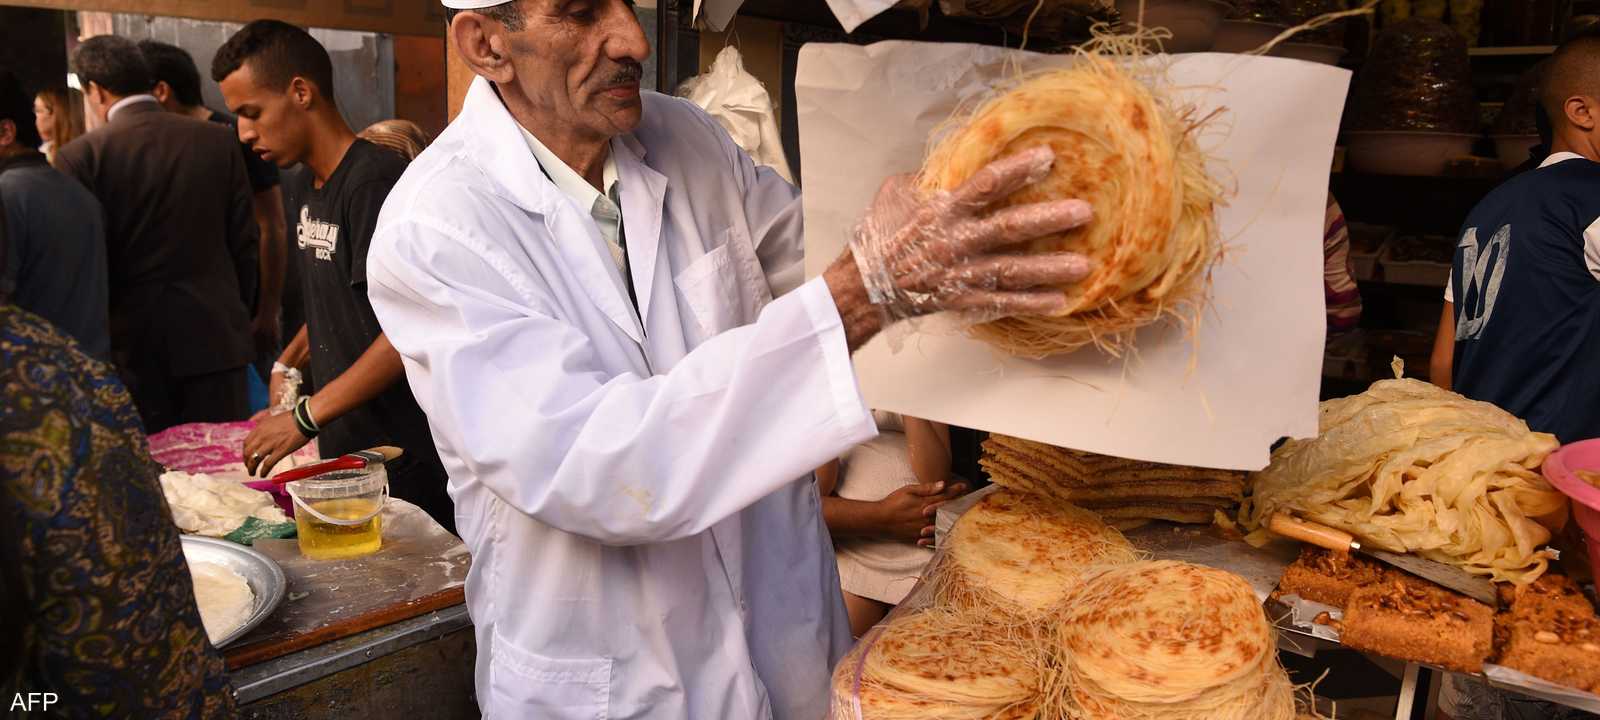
[[345, 462]]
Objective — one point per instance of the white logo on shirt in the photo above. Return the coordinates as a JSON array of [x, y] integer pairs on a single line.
[[1481, 271], [318, 234]]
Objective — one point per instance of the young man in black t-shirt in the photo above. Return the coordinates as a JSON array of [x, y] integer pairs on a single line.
[[279, 82]]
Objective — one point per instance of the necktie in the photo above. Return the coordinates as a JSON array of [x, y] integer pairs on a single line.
[[607, 213]]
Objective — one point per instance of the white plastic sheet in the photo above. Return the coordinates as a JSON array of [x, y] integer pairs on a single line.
[[867, 112], [742, 106]]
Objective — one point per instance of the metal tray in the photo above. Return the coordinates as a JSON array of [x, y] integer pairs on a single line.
[[261, 573]]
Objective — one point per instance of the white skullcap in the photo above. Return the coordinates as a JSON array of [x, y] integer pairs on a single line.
[[470, 4]]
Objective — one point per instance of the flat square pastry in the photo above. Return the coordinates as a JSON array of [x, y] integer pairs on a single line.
[[1559, 645], [1411, 619], [1548, 629], [1542, 597], [1328, 577]]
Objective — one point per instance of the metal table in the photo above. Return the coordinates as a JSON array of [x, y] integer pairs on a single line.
[[420, 667], [386, 631]]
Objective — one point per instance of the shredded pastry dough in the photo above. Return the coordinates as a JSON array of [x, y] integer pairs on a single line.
[[1409, 467]]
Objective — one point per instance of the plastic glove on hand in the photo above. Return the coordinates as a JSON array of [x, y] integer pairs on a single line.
[[920, 254]]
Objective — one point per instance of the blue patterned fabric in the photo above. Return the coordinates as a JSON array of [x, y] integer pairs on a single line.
[[110, 623]]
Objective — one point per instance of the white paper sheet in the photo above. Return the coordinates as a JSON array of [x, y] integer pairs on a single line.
[[852, 13], [718, 13], [866, 113]]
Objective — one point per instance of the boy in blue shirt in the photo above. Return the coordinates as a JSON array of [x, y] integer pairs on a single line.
[[1521, 321]]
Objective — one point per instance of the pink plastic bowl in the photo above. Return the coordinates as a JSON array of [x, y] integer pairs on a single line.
[[279, 495], [1560, 469]]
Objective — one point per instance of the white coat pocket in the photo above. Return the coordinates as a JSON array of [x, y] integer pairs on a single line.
[[710, 287], [524, 684]]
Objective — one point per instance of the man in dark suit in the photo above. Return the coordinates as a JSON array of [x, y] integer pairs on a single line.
[[181, 237], [178, 88]]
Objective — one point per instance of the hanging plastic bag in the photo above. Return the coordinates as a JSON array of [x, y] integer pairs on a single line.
[[741, 105]]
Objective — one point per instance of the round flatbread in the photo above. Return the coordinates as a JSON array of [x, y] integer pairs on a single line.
[[1169, 640], [938, 663], [1165, 630], [1133, 157], [1019, 554]]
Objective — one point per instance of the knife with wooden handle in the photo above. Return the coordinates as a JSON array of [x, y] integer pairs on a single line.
[[1454, 578]]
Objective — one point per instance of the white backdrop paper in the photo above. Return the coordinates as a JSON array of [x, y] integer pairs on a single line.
[[867, 112]]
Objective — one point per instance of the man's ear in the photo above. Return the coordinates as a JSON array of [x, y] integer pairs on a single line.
[[94, 99], [481, 43], [1583, 112], [301, 93], [163, 93]]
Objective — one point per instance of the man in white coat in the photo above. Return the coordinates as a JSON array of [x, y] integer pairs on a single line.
[[581, 278]]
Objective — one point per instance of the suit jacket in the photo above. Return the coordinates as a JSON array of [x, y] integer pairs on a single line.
[[181, 239]]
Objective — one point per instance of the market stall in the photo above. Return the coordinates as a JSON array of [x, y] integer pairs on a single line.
[[317, 637], [1191, 401]]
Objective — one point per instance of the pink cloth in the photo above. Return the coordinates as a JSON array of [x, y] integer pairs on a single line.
[[210, 447]]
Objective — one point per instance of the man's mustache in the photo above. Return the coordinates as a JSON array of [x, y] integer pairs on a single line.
[[627, 73]]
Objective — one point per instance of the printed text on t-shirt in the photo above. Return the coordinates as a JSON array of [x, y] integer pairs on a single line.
[[318, 234], [1482, 271]]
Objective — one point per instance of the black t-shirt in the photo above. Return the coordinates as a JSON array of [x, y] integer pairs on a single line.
[[332, 230], [263, 174]]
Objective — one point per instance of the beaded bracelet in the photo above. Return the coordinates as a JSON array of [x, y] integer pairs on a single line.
[[303, 420]]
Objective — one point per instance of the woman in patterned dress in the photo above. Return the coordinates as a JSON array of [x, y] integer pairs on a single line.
[[97, 600]]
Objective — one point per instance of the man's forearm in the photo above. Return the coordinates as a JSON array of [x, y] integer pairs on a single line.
[[851, 518], [372, 373], [861, 318], [297, 354]]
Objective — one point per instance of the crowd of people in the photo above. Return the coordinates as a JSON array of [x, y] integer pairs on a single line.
[[160, 241], [145, 277]]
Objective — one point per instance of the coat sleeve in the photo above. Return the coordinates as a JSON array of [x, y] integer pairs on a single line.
[[772, 208], [73, 159], [520, 400], [775, 215]]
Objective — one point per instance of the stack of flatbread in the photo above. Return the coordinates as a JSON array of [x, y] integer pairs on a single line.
[[934, 663], [1168, 640], [1127, 493], [1015, 555], [1038, 610]]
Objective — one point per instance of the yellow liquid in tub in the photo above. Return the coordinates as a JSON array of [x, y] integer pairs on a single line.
[[326, 541]]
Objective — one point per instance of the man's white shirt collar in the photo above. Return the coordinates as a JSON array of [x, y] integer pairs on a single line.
[[567, 180], [1559, 157], [129, 100]]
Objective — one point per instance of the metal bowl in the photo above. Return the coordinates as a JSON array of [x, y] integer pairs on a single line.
[[1310, 52], [1242, 36], [1193, 23], [266, 580], [1406, 152]]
